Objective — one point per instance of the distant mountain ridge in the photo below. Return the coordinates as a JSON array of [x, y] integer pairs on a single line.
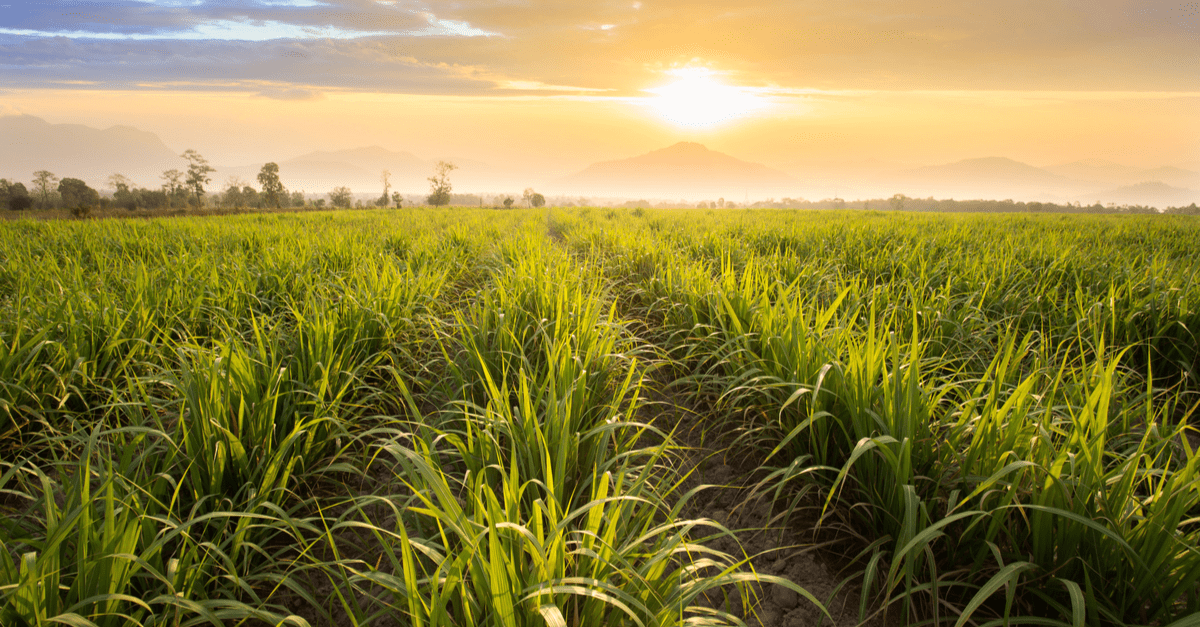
[[1111, 174], [682, 170], [685, 170], [78, 151], [1152, 194], [357, 168], [1081, 181], [93, 155], [989, 177]]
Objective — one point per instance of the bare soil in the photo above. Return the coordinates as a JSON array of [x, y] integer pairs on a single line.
[[775, 543]]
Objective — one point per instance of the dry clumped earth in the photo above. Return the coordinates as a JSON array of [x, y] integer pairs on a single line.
[[790, 547]]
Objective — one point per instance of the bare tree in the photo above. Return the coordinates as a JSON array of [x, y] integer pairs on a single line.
[[44, 183], [439, 184], [172, 181], [197, 174], [386, 177], [120, 183]]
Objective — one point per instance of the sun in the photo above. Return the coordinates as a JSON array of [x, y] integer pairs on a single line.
[[698, 100]]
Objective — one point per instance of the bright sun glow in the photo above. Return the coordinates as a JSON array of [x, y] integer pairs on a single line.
[[698, 100]]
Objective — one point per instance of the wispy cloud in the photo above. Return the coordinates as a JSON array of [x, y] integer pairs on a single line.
[[292, 94], [614, 47], [131, 20]]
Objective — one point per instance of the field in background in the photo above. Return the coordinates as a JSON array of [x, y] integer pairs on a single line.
[[442, 417]]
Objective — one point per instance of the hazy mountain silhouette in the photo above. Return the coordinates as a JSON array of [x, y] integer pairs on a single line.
[[1109, 174], [684, 170], [368, 158], [357, 168], [360, 169], [1094, 171], [990, 177], [1176, 177], [77, 151], [90, 154], [1152, 194]]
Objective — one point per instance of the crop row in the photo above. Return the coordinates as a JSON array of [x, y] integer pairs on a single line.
[[439, 417]]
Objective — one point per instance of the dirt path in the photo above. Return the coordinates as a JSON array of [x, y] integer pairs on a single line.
[[777, 545]]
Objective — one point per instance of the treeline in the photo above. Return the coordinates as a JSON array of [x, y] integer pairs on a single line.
[[188, 189], [47, 191]]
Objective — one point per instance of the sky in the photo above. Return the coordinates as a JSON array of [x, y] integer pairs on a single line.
[[549, 87]]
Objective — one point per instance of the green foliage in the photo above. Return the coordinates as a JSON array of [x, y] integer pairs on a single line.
[[439, 184], [75, 193], [272, 188], [440, 419], [948, 385], [341, 197], [14, 196], [197, 174]]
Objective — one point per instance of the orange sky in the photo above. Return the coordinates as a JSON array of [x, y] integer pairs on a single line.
[[545, 88]]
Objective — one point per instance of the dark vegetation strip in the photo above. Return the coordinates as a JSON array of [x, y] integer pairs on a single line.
[[997, 407], [332, 418], [434, 417]]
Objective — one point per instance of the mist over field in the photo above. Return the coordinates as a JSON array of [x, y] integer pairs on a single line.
[[687, 172]]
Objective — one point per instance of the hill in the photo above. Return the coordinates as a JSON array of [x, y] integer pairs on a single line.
[[1151, 193], [684, 170], [77, 151], [1109, 174], [360, 169], [990, 177]]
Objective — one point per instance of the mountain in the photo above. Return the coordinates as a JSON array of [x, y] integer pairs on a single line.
[[989, 177], [361, 169], [1094, 171], [357, 168], [77, 151], [90, 154], [1177, 177], [1108, 174], [684, 170], [1153, 194]]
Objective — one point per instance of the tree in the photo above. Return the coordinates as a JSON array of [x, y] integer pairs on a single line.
[[119, 182], [897, 202], [43, 184], [272, 189], [122, 196], [397, 199], [14, 196], [537, 200], [232, 196], [297, 199], [172, 181], [439, 183], [197, 174], [386, 177], [508, 202], [250, 197], [75, 193], [340, 197], [172, 184]]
